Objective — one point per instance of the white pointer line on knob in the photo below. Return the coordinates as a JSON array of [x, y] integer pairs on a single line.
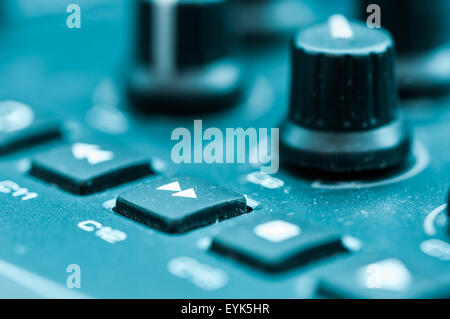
[[340, 27], [164, 37]]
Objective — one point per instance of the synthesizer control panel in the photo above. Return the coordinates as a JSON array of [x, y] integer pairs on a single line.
[[224, 149]]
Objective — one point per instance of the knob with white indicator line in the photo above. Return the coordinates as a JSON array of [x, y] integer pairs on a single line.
[[343, 100], [182, 61]]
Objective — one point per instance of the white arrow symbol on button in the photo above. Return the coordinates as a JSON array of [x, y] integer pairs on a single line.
[[186, 193], [92, 153], [175, 187]]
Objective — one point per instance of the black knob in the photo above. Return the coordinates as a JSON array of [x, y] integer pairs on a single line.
[[182, 59], [421, 30], [343, 100]]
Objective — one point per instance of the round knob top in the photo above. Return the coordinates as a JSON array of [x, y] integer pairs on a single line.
[[343, 77], [416, 25], [173, 35]]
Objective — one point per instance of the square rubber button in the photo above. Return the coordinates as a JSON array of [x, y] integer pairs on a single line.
[[21, 126], [277, 245], [179, 204], [388, 277], [85, 168]]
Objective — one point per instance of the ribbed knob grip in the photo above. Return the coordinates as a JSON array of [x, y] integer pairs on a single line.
[[343, 101], [180, 33], [182, 60], [343, 82]]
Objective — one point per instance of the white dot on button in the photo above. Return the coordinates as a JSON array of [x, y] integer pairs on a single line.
[[277, 231], [389, 274]]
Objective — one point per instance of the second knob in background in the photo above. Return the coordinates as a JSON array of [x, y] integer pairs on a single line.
[[421, 31], [181, 57], [268, 20]]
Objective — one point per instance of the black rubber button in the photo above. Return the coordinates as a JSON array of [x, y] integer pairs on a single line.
[[277, 245], [179, 204], [21, 127], [384, 277], [84, 168]]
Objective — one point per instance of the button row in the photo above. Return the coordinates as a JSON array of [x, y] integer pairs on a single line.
[[279, 245], [178, 204], [169, 204], [182, 203]]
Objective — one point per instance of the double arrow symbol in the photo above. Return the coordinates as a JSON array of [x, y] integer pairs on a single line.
[[175, 187], [92, 153]]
